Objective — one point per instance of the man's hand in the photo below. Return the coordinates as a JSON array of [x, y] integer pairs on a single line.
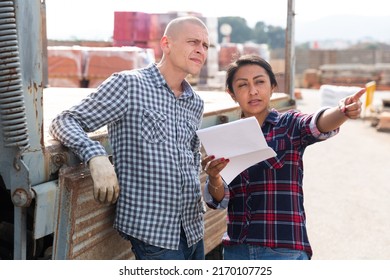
[[105, 181]]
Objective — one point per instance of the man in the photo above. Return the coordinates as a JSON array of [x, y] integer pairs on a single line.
[[152, 115]]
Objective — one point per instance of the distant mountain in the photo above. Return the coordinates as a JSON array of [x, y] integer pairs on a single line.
[[354, 28]]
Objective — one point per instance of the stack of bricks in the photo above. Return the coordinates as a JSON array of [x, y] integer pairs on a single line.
[[384, 117]]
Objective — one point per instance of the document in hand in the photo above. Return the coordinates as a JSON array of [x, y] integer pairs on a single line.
[[241, 141]]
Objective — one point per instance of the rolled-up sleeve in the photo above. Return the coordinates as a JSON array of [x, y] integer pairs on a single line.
[[211, 202], [314, 129]]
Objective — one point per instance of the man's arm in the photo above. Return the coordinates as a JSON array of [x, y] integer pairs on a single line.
[[106, 105]]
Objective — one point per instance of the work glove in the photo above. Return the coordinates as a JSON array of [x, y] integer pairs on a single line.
[[105, 181]]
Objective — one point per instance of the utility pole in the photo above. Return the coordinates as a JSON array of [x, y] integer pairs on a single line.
[[289, 70]]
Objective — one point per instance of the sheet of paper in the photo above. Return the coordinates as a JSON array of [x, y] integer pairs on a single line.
[[241, 141]]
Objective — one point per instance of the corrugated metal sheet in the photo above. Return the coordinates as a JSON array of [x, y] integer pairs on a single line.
[[84, 227]]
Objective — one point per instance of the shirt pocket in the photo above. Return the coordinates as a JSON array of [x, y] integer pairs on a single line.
[[281, 148], [153, 127], [190, 130]]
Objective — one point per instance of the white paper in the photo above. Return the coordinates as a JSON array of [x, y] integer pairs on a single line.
[[241, 141]]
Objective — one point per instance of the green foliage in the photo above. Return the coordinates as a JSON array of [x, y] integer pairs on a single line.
[[274, 36], [240, 31]]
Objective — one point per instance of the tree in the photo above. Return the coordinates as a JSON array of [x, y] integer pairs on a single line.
[[260, 35], [241, 33], [274, 36]]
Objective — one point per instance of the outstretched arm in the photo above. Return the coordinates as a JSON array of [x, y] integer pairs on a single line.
[[349, 108]]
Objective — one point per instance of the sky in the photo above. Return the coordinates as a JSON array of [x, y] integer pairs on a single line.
[[94, 19]]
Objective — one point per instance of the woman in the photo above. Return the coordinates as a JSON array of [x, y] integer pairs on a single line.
[[266, 217]]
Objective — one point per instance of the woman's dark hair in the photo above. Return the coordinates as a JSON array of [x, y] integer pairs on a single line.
[[248, 59]]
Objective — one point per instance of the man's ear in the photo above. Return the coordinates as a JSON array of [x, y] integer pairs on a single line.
[[164, 44]]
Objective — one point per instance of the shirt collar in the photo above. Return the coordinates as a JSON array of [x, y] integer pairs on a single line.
[[157, 77], [159, 81], [273, 117]]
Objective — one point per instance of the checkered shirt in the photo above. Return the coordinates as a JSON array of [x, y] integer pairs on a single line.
[[156, 152], [265, 201]]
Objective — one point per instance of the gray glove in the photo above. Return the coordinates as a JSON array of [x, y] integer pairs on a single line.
[[105, 181]]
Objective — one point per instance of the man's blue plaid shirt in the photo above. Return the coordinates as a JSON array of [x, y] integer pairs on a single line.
[[155, 152]]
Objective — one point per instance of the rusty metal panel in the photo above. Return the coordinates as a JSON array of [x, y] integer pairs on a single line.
[[84, 227], [214, 221], [215, 227]]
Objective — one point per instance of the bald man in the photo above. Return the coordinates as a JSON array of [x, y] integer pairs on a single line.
[[152, 115]]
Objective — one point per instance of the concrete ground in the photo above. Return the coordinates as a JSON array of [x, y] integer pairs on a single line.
[[347, 190]]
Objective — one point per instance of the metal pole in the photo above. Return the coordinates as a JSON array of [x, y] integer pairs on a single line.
[[20, 233], [45, 75], [28, 22], [290, 50]]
